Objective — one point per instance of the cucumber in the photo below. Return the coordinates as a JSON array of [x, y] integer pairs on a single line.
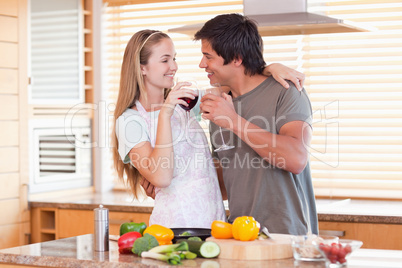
[[204, 249], [210, 249]]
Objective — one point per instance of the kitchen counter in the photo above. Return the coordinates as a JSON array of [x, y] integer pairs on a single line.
[[78, 252], [347, 210]]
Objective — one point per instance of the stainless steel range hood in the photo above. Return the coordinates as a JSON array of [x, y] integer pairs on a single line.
[[286, 17]]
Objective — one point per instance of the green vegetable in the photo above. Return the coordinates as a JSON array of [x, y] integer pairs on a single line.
[[183, 246], [132, 227], [210, 249], [170, 258], [205, 249], [185, 234], [172, 254], [194, 238], [188, 255], [144, 243]]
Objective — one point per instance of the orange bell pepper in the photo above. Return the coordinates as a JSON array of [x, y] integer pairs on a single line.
[[245, 228], [163, 234], [221, 230]]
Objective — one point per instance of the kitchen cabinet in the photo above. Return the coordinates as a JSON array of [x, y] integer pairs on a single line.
[[43, 224], [377, 223], [373, 235], [56, 223], [79, 222]]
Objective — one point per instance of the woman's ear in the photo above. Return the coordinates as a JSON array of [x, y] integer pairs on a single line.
[[143, 72]]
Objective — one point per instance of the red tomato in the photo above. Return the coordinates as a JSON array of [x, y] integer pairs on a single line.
[[348, 249], [334, 250], [341, 253], [342, 260], [325, 248]]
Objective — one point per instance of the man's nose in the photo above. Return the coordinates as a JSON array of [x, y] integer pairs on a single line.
[[202, 64]]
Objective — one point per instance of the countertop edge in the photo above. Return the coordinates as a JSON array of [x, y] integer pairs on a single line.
[[64, 253], [135, 208], [360, 218], [112, 208]]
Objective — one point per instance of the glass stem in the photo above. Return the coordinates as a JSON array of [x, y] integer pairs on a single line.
[[187, 123], [223, 141]]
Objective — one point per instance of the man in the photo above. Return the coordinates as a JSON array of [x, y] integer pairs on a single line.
[[267, 174]]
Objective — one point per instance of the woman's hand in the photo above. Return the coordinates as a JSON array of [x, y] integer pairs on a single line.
[[281, 72], [175, 95]]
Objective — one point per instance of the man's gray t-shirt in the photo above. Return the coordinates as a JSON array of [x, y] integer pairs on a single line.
[[282, 201]]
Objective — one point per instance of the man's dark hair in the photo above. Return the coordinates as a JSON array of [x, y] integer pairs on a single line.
[[234, 36]]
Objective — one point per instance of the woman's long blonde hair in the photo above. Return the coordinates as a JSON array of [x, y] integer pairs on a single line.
[[137, 53]]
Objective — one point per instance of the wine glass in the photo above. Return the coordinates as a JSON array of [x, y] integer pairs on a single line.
[[216, 90], [191, 103]]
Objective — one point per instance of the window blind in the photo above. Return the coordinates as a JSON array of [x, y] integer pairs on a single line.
[[55, 52], [353, 79], [355, 85]]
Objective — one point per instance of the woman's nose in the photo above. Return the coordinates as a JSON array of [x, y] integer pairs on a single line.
[[174, 66]]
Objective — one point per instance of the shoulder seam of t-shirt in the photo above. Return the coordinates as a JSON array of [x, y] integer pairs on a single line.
[[297, 116], [266, 81]]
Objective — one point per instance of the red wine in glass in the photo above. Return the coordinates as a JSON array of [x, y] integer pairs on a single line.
[[191, 103]]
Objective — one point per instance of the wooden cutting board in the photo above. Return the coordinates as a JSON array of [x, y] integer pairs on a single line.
[[280, 247]]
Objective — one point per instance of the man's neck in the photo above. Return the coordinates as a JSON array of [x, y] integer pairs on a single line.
[[245, 84]]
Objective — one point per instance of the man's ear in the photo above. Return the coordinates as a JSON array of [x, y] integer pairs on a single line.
[[237, 62]]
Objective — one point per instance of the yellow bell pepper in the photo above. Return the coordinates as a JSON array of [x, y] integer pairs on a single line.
[[245, 228], [163, 234]]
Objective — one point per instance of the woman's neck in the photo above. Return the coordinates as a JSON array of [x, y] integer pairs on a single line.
[[154, 100]]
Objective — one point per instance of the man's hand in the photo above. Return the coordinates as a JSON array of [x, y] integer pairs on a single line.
[[148, 187], [281, 72], [219, 110]]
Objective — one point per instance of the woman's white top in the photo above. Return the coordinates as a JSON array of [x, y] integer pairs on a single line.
[[193, 199]]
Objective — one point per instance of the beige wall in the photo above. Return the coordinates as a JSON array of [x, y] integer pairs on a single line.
[[14, 214]]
